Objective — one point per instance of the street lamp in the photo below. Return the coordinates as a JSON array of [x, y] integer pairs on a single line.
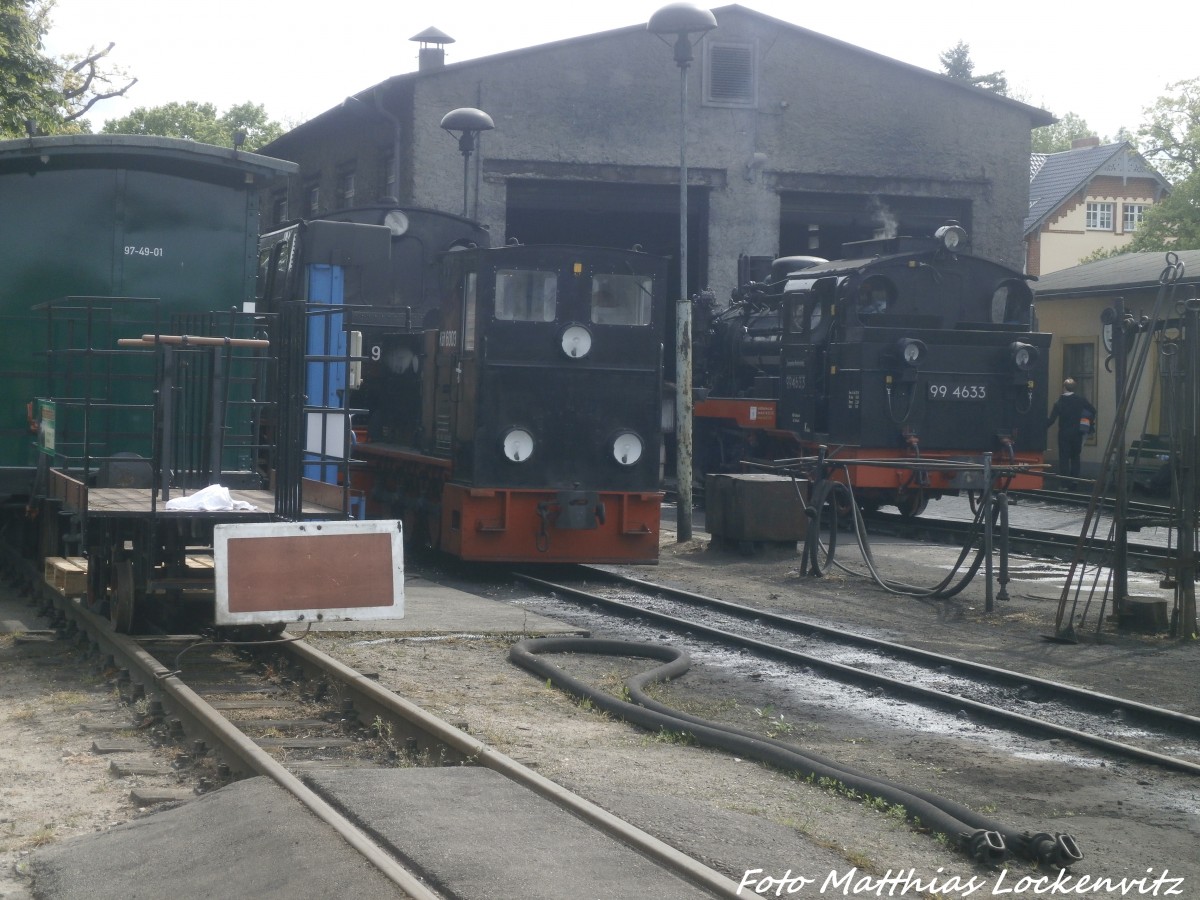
[[468, 122], [683, 20]]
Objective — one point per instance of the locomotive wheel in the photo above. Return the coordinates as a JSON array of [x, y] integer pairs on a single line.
[[912, 503], [121, 608]]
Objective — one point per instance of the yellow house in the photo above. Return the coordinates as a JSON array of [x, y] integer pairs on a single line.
[[1091, 197], [1071, 305]]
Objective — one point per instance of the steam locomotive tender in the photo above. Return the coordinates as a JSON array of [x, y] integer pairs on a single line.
[[907, 349]]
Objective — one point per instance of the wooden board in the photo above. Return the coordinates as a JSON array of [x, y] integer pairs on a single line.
[[297, 572]]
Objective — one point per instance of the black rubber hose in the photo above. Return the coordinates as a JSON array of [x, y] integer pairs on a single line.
[[983, 839]]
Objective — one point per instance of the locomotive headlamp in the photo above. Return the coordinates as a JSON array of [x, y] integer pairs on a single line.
[[1024, 356], [576, 341], [951, 236], [627, 448], [910, 351], [518, 444]]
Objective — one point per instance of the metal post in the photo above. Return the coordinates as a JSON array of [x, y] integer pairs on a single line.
[[986, 508], [1184, 624], [466, 155], [682, 20], [683, 324], [1120, 562]]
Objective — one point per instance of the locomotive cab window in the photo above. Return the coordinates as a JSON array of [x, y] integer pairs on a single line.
[[874, 296], [621, 299], [526, 296], [1010, 302]]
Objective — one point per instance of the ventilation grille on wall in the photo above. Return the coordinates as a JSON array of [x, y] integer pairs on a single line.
[[730, 74]]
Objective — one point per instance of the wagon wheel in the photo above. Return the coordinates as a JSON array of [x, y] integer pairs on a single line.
[[121, 606], [912, 503]]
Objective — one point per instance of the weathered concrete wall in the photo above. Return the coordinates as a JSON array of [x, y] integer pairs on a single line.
[[828, 117]]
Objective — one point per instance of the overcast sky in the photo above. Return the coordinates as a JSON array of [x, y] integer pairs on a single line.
[[1064, 57]]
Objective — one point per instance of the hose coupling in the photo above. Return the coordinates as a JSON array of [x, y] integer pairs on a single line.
[[987, 847], [1054, 849]]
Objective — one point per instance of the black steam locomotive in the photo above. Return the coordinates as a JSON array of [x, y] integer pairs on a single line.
[[907, 349]]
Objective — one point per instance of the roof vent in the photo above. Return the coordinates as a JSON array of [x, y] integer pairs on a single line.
[[432, 54]]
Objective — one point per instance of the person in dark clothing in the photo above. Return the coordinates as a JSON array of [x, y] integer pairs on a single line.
[[1076, 419]]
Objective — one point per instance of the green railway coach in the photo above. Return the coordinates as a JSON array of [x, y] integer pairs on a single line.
[[168, 226]]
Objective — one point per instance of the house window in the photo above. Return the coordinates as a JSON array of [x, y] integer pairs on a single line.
[[345, 189], [279, 208], [388, 176], [1134, 213], [729, 75], [1100, 216], [1079, 362], [312, 199]]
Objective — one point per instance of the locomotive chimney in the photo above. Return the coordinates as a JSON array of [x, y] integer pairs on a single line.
[[432, 55]]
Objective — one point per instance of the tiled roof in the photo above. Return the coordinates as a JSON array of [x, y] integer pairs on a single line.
[[1127, 272], [1060, 175]]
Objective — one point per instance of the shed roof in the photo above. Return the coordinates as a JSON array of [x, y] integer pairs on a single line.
[[1127, 272], [1056, 176], [1038, 117]]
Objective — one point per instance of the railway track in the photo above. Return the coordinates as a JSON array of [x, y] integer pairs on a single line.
[[1113, 725], [287, 711]]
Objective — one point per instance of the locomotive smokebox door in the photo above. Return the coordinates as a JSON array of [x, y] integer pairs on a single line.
[[298, 572]]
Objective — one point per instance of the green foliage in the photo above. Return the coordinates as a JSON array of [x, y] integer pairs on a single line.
[[200, 122], [1170, 137], [52, 94], [27, 75], [1173, 223], [956, 63], [1057, 138]]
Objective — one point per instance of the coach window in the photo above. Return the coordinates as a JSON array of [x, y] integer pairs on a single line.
[[526, 296], [620, 299]]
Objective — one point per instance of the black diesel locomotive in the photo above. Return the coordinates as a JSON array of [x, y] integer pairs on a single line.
[[518, 418], [908, 349]]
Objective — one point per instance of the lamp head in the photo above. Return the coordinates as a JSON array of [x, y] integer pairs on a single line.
[[681, 20], [468, 122]]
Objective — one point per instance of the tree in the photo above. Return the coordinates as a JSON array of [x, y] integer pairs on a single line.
[[200, 122], [1173, 223], [40, 93], [957, 64], [27, 92], [1058, 137], [1170, 138]]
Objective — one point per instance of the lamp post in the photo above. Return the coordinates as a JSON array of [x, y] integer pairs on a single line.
[[687, 23], [468, 122]]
